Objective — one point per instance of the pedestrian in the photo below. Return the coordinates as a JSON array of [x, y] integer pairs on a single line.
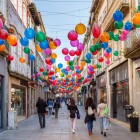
[[73, 109], [50, 106], [90, 114], [103, 114], [56, 108], [41, 110]]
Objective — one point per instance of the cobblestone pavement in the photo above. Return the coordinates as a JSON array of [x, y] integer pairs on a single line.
[[59, 129]]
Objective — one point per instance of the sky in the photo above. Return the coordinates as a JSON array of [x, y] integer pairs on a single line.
[[60, 17]]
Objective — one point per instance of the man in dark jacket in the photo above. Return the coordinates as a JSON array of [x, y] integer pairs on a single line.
[[41, 110]]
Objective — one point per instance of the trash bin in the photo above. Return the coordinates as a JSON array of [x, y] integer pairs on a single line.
[[128, 110], [134, 124], [12, 120]]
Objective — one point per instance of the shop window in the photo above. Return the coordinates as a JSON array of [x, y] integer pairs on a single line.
[[0, 101], [137, 81]]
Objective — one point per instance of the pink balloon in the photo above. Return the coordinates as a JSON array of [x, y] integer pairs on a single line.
[[57, 41], [96, 30], [37, 74], [1, 24], [106, 54], [72, 35], [122, 37], [67, 58], [77, 67], [80, 46], [107, 61], [125, 32], [47, 51], [74, 43], [48, 67], [90, 67], [67, 68], [73, 74], [33, 76], [65, 51]]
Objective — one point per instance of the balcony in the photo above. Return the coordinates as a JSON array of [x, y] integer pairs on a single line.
[[132, 44]]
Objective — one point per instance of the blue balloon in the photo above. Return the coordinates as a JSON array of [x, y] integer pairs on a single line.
[[66, 73], [60, 65], [128, 26], [52, 60], [24, 41], [1, 41], [29, 33], [108, 50], [78, 71], [118, 16], [44, 45], [53, 78], [31, 57], [88, 56], [63, 70], [104, 45]]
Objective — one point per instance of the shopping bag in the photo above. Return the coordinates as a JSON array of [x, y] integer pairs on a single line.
[[78, 115]]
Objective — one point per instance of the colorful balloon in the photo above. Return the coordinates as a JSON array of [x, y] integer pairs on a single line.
[[40, 36], [54, 55], [65, 51], [12, 40], [60, 65], [10, 57], [47, 61], [78, 52], [122, 37], [116, 37], [57, 41], [31, 57], [57, 70], [118, 16], [29, 33], [24, 41], [83, 63], [26, 50], [47, 51], [108, 50], [80, 28], [92, 49], [53, 45], [94, 53], [41, 69], [21, 60], [116, 53], [101, 59], [98, 46], [1, 42], [38, 49], [118, 25], [87, 60], [88, 56], [67, 58], [3, 34], [1, 24], [107, 61], [44, 45], [74, 43], [71, 52], [104, 37], [104, 45], [136, 19], [96, 31], [80, 46], [2, 47], [72, 35], [128, 26], [111, 34], [48, 67]]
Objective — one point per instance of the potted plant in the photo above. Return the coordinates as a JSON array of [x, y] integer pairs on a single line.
[[134, 121]]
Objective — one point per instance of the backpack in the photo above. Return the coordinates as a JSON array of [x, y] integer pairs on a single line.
[[72, 113], [106, 111], [90, 111]]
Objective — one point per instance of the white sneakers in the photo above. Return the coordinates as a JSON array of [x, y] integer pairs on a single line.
[[73, 131]]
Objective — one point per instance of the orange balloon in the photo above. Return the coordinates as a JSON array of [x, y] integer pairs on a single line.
[[52, 45], [104, 37], [12, 40], [81, 68], [108, 56], [21, 60], [2, 47], [57, 70], [54, 55], [80, 28], [94, 66], [136, 18], [83, 63], [38, 49]]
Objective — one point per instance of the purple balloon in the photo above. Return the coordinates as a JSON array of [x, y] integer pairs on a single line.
[[47, 51], [80, 46], [67, 68], [76, 67], [74, 43], [67, 58], [57, 41]]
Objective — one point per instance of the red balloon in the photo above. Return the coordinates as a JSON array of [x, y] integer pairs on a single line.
[[94, 53], [65, 51], [3, 34], [101, 59], [47, 60], [72, 35], [96, 31], [78, 53], [51, 72], [72, 53], [41, 69], [10, 57]]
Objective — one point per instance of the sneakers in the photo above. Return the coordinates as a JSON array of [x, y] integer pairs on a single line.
[[73, 131], [105, 134], [101, 132], [90, 133]]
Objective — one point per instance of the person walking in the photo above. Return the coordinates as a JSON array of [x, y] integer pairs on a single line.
[[41, 110], [50, 106], [103, 114], [90, 114], [56, 108], [73, 109]]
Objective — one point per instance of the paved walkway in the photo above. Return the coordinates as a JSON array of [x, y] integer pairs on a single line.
[[59, 129]]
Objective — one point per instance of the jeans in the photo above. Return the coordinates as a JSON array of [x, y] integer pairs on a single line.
[[41, 117], [56, 112], [50, 110], [90, 126], [103, 124]]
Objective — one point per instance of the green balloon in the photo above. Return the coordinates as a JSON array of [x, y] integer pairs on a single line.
[[92, 49], [98, 46], [118, 25], [26, 50], [71, 67], [40, 36], [139, 6], [136, 26], [111, 34], [71, 63], [44, 73], [62, 75], [88, 61], [116, 53], [98, 66], [116, 37]]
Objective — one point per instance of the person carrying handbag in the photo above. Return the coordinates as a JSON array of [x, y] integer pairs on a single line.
[[90, 114], [103, 113]]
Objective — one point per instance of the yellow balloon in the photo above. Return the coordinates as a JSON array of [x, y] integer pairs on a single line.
[[38, 49], [80, 28], [57, 70], [54, 55], [52, 45]]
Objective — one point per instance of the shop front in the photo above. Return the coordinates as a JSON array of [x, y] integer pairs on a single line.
[[119, 91]]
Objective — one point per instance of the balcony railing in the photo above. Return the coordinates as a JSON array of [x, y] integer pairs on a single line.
[[132, 44]]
